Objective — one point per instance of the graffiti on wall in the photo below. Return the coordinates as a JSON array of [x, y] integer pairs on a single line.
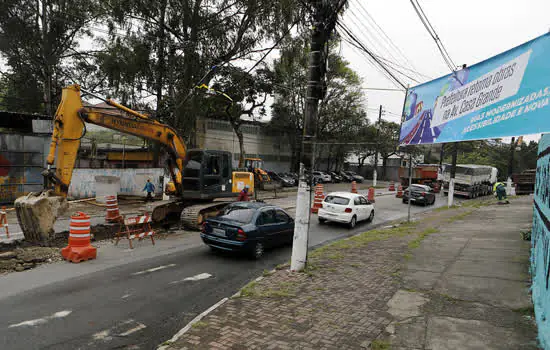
[[540, 243]]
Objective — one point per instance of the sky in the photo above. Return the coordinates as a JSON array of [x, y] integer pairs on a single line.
[[471, 31]]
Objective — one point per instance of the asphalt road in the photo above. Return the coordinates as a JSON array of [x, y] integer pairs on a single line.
[[141, 304]]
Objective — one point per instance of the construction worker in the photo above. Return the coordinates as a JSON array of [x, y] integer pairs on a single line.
[[243, 195], [150, 188], [500, 191]]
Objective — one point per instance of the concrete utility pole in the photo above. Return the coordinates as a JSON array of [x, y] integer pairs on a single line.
[[375, 173], [325, 14], [452, 177]]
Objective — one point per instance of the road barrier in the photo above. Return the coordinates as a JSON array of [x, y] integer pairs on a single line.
[[79, 248], [113, 214], [370, 195], [318, 199], [4, 221], [392, 186], [353, 187], [437, 187], [136, 227], [399, 193]]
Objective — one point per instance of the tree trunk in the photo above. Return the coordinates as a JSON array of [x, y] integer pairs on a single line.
[[161, 51], [46, 57], [384, 161]]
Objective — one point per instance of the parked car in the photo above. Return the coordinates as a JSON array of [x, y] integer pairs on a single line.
[[294, 177], [345, 207], [283, 180], [355, 177], [420, 194], [325, 178], [317, 177], [346, 177], [335, 177], [249, 227]]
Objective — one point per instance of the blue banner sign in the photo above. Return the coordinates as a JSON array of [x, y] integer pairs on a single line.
[[506, 95]]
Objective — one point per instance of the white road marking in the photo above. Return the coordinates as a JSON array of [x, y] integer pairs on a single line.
[[35, 322], [162, 267], [103, 335], [200, 276], [125, 296], [139, 327]]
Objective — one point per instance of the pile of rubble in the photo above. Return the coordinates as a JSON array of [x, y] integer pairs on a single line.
[[21, 259]]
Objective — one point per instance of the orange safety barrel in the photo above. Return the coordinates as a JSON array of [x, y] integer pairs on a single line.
[[318, 199], [4, 221], [399, 193], [79, 248], [353, 187], [370, 195], [392, 186], [113, 214]]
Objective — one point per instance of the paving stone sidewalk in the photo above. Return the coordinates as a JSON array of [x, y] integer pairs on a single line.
[[359, 293]]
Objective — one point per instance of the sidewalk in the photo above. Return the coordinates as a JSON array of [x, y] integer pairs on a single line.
[[455, 278]]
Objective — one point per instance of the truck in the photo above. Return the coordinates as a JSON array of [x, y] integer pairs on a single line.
[[525, 181], [198, 176], [471, 180], [422, 174]]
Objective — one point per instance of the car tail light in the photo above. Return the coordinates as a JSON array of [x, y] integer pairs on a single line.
[[241, 236], [348, 210], [423, 194]]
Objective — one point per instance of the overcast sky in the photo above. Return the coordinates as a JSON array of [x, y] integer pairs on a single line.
[[471, 31]]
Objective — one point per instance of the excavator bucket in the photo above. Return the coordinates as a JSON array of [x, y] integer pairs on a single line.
[[37, 213]]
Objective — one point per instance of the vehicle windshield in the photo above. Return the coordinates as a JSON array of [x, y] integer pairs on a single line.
[[254, 164], [337, 200], [418, 188], [237, 213]]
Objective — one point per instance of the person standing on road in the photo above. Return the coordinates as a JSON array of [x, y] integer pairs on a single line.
[[500, 191], [150, 188], [243, 195]]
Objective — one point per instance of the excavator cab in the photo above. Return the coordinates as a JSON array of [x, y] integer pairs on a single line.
[[207, 174]]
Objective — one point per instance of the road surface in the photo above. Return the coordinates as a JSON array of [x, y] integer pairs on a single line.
[[139, 302]]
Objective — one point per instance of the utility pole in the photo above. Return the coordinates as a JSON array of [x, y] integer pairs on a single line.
[[452, 177], [324, 17], [375, 173], [510, 166]]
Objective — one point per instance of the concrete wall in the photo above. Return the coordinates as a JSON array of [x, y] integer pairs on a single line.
[[540, 244], [132, 181]]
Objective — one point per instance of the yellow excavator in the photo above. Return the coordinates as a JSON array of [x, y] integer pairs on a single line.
[[197, 176], [256, 166]]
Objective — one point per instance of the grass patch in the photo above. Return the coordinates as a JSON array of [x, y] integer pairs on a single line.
[[249, 290], [267, 273], [415, 243], [282, 266], [444, 208], [526, 311], [199, 324], [379, 344], [459, 216], [284, 290]]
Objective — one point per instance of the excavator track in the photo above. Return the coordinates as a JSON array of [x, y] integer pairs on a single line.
[[193, 216]]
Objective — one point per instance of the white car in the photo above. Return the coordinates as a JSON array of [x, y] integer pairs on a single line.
[[326, 178], [346, 207]]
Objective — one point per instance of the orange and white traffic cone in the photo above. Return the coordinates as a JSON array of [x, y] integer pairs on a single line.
[[392, 186], [4, 221], [79, 248], [370, 195], [318, 199], [353, 187], [113, 214], [399, 193]]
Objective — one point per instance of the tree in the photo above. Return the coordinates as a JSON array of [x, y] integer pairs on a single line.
[[39, 41], [341, 112], [387, 142], [239, 94]]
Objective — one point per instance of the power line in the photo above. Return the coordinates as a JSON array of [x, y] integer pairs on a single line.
[[433, 34]]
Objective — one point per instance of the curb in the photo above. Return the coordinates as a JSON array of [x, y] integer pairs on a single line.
[[184, 330]]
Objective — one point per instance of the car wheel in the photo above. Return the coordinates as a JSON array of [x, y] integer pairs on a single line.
[[353, 222], [258, 250], [404, 201], [433, 201], [322, 221], [371, 216]]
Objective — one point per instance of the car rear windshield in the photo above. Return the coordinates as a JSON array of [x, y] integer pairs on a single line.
[[238, 214], [337, 200], [418, 188]]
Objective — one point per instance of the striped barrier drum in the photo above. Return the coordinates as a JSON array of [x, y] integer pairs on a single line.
[[4, 221], [79, 248], [318, 199], [353, 187], [112, 215]]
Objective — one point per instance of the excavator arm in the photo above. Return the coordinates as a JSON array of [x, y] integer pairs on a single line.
[[37, 213], [69, 128]]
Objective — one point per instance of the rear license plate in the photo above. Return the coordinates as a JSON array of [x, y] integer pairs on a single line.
[[218, 232]]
